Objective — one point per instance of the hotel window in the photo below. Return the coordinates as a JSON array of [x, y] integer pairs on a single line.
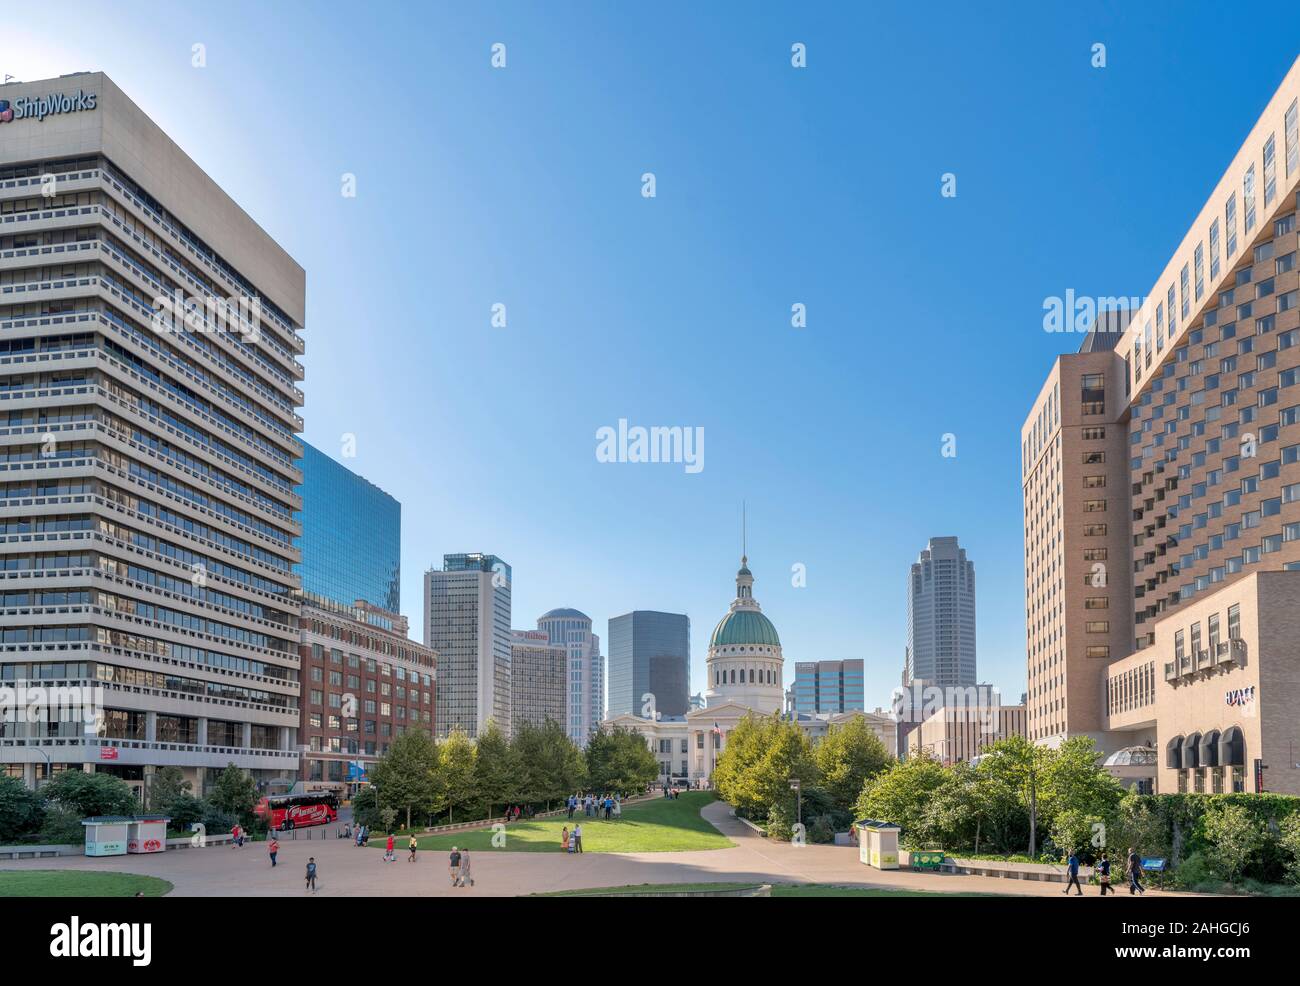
[[1097, 626], [1184, 280], [1094, 482], [1213, 627], [1097, 602], [1216, 780], [1098, 651], [1094, 434], [1094, 530], [1179, 646], [1094, 506], [1198, 259], [1270, 171], [1214, 250], [1094, 554], [1248, 198], [1230, 223], [1291, 127]]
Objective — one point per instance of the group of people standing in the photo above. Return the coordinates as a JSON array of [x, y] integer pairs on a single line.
[[611, 805], [1132, 869]]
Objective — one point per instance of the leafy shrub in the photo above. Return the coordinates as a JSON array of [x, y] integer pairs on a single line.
[[821, 830], [62, 826], [20, 810], [780, 823]]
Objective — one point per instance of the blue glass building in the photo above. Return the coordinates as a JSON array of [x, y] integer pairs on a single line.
[[351, 536]]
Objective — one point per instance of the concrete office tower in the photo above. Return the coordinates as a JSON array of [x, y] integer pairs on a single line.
[[351, 536], [1206, 383], [649, 655], [1074, 474], [467, 621], [148, 493], [585, 696], [538, 671], [941, 616], [827, 687]]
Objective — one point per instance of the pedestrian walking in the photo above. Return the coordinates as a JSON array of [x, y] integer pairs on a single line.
[[1103, 875], [236, 836], [272, 848], [412, 845], [453, 866], [389, 855], [1073, 866], [466, 876], [311, 873], [1134, 869], [577, 838]]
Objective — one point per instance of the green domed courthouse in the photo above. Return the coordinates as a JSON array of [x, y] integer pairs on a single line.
[[745, 676]]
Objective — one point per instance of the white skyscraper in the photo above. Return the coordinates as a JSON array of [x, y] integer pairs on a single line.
[[941, 616], [586, 685], [467, 621]]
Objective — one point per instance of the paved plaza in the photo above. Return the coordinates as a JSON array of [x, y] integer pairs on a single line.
[[348, 871]]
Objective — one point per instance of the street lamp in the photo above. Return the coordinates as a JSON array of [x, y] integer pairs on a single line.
[[797, 788]]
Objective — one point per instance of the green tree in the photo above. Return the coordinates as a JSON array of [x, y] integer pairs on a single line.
[[902, 794], [168, 784], [234, 794], [496, 769], [1078, 831], [1016, 764], [1233, 838], [1074, 779], [763, 754], [454, 777], [89, 795], [619, 760], [404, 775], [20, 809], [551, 765], [1289, 843], [365, 808], [846, 757]]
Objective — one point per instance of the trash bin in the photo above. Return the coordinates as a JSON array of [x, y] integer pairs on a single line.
[[878, 844], [106, 835], [927, 859], [147, 833]]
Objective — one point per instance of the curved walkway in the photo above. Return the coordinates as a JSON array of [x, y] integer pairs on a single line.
[[346, 871]]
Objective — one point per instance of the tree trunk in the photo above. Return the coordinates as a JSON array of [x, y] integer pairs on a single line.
[[1033, 816], [408, 816]]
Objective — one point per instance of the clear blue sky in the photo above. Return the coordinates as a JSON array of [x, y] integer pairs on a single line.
[[522, 186]]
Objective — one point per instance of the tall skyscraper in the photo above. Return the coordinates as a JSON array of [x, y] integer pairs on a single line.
[[827, 687], [649, 655], [1161, 597], [150, 334], [351, 536], [941, 616], [538, 672], [585, 695], [467, 621]]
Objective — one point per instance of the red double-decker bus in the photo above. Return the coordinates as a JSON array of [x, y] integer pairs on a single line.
[[291, 811]]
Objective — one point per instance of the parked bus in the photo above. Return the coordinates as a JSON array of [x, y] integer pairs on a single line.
[[290, 811]]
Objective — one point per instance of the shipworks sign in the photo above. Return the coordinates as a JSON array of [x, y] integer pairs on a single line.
[[39, 107]]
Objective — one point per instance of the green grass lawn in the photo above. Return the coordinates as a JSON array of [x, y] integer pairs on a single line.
[[78, 883], [659, 825], [778, 890]]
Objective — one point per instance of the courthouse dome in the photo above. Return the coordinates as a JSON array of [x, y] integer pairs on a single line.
[[742, 627]]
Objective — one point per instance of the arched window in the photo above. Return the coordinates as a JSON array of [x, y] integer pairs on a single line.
[[1210, 749], [1232, 748], [733, 676], [751, 676], [1174, 753]]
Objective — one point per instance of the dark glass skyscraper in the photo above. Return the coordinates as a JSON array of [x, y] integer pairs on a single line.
[[351, 536], [649, 654]]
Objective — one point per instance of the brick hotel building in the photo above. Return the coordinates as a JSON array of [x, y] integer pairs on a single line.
[[147, 477], [1161, 481]]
